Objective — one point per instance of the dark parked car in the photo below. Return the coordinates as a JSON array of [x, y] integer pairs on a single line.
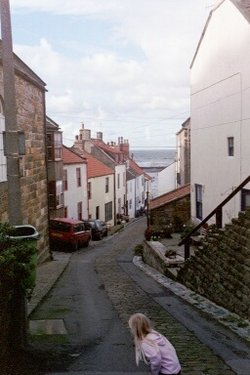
[[70, 232], [99, 229]]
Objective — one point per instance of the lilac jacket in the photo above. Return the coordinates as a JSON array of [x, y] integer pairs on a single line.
[[160, 354]]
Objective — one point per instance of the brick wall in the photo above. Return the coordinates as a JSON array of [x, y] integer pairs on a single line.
[[220, 269]]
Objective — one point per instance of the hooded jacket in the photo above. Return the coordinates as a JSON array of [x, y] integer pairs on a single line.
[[160, 354]]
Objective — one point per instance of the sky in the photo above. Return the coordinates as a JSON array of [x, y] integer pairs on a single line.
[[117, 66]]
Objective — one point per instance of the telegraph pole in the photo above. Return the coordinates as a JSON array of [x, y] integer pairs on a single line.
[[11, 131]]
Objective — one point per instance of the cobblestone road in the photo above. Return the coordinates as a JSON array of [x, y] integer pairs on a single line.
[[127, 298]]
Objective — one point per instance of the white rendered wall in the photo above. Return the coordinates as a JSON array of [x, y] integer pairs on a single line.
[[120, 191], [167, 179], [220, 97], [131, 197], [76, 194], [99, 197]]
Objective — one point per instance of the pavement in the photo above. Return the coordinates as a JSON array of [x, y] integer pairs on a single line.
[[48, 273]]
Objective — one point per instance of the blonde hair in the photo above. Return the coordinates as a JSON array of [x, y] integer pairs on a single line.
[[139, 326]]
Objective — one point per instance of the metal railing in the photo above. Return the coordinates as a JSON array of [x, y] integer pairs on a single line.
[[218, 220]]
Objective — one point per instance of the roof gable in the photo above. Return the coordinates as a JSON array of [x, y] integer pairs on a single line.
[[23, 69], [95, 167], [71, 157], [171, 196], [243, 6]]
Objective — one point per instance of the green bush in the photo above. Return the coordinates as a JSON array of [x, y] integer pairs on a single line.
[[17, 261], [138, 250]]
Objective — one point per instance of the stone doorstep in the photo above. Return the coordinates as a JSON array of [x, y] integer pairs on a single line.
[[171, 262]]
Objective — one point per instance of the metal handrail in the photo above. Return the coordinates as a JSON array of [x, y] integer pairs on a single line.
[[217, 211]]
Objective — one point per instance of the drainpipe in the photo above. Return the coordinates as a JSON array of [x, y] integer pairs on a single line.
[[11, 140], [115, 219]]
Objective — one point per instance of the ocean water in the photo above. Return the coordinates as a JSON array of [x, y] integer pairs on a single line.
[[152, 162], [159, 158]]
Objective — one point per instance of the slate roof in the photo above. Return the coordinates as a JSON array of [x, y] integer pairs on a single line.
[[171, 196], [242, 5], [51, 125], [71, 157]]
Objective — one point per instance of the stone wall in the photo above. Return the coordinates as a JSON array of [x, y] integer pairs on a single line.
[[30, 103], [153, 255], [176, 212], [220, 268], [3, 201]]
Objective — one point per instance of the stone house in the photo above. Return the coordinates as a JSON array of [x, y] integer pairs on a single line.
[[171, 209], [75, 183], [220, 112], [30, 117]]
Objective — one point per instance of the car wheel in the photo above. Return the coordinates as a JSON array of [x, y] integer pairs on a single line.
[[86, 244], [75, 246]]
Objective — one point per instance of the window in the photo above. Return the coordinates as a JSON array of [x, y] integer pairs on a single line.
[[106, 184], [124, 178], [65, 180], [130, 204], [55, 194], [78, 177], [108, 211], [245, 199], [89, 190], [142, 180], [3, 161], [79, 210], [97, 212], [119, 205], [230, 145], [118, 181], [198, 201], [54, 146]]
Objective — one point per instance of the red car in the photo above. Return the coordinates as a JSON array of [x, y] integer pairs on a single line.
[[69, 232]]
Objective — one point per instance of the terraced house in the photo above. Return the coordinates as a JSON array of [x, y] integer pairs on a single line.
[[32, 178]]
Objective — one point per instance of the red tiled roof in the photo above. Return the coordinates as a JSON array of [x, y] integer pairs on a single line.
[[95, 167], [138, 170], [71, 157], [111, 149], [171, 196]]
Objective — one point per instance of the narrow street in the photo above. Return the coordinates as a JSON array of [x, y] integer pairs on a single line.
[[94, 298]]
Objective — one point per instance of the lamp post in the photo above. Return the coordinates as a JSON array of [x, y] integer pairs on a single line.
[[148, 213]]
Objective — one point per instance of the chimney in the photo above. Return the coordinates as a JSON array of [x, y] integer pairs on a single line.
[[124, 147], [99, 135]]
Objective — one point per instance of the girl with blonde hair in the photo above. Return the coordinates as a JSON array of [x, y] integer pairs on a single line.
[[152, 347]]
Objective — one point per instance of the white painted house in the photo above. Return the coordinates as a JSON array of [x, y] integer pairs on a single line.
[[75, 185], [220, 110], [167, 179], [100, 190]]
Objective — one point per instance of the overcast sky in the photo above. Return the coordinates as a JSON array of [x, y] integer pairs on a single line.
[[118, 66]]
